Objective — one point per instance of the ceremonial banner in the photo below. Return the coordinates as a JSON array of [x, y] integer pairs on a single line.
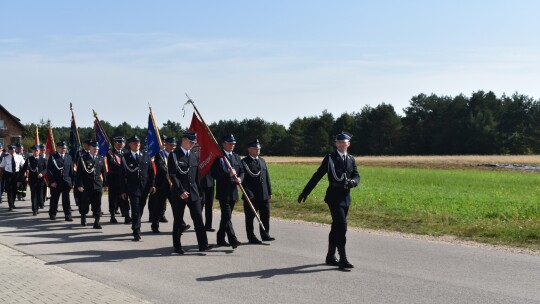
[[74, 144], [153, 141], [208, 150], [50, 144], [101, 138]]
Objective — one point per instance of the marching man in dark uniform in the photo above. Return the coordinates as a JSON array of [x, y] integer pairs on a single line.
[[342, 173], [114, 180], [43, 153], [2, 154], [61, 175], [227, 189], [158, 200], [137, 182], [91, 179], [257, 186], [10, 168], [34, 171], [183, 168]]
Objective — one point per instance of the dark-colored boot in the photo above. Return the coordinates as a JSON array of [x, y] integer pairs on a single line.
[[331, 256], [96, 223], [343, 262]]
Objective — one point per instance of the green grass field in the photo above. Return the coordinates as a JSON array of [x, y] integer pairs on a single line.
[[496, 207]]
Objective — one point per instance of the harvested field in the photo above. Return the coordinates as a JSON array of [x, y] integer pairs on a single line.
[[487, 162]]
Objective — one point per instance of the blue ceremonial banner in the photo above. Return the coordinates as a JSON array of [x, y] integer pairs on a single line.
[[152, 138], [101, 139]]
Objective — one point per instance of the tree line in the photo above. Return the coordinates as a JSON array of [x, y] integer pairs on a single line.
[[431, 125]]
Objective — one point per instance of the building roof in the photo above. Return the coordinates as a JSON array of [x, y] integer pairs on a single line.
[[15, 118]]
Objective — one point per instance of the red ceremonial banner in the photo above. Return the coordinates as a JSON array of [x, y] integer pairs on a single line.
[[208, 150]]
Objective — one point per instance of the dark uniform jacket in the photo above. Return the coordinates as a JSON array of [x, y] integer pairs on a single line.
[[91, 174], [226, 189], [184, 173], [35, 166], [256, 179], [338, 172], [114, 166], [161, 161], [138, 174], [60, 170]]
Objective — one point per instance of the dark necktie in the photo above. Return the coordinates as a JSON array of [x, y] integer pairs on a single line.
[[13, 165]]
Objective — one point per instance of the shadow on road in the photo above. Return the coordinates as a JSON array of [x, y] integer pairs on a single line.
[[269, 273]]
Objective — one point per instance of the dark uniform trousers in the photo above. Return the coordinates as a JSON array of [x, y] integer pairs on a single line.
[[207, 203], [35, 166], [63, 178], [184, 172], [137, 203], [114, 176], [90, 197], [263, 207], [227, 194], [337, 195], [10, 183]]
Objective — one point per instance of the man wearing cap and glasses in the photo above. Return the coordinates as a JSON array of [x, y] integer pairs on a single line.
[[227, 189], [34, 171], [10, 168], [257, 186], [114, 179], [91, 179], [342, 173], [183, 169], [61, 176], [158, 200], [45, 189], [137, 182]]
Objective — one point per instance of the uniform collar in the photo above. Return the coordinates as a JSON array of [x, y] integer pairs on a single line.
[[341, 154]]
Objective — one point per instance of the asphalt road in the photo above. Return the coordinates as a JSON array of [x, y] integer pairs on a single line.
[[388, 269]]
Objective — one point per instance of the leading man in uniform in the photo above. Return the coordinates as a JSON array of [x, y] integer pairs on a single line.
[[340, 167]]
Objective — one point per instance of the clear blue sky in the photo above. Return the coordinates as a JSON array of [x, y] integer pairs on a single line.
[[277, 60]]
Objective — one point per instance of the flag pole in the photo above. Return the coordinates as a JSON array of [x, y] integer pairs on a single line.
[[102, 130], [190, 101]]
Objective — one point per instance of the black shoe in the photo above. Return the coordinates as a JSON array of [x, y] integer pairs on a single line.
[[14, 207], [127, 220], [117, 212], [223, 244], [41, 207], [268, 239], [10, 209], [331, 261], [163, 219], [235, 244], [344, 264], [255, 241], [179, 250], [186, 228], [210, 229], [206, 248], [136, 237], [155, 230], [113, 220], [97, 226], [52, 217], [83, 222], [34, 213], [69, 219]]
